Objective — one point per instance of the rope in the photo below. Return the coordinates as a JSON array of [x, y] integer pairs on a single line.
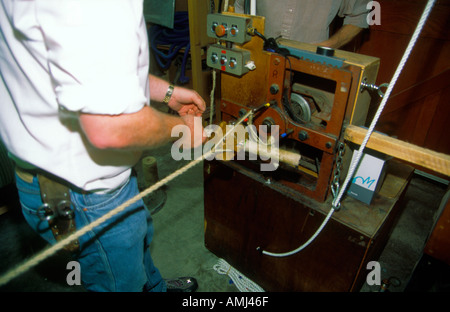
[[61, 244], [243, 283], [313, 237], [397, 73], [212, 97], [355, 162], [25, 266]]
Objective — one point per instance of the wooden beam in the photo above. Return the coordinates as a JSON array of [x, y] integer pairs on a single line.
[[438, 162]]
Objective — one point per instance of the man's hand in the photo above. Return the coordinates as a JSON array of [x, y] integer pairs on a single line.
[[343, 36], [194, 123], [186, 101], [190, 106]]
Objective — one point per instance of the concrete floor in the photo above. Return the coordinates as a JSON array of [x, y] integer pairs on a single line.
[[178, 248]]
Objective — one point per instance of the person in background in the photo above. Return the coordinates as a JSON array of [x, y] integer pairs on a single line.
[[75, 94], [309, 20]]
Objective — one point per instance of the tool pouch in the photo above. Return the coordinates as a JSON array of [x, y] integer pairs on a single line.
[[59, 210]]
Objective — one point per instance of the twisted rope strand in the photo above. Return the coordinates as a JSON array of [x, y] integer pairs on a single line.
[[394, 79], [25, 266]]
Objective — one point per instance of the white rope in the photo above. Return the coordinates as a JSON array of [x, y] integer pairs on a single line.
[[243, 283], [20, 269], [212, 97], [25, 266], [355, 162], [313, 237], [225, 6], [391, 86]]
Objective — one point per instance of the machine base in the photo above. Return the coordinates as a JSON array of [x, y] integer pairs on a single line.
[[245, 215]]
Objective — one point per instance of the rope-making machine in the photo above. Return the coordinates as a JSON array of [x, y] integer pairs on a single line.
[[301, 98]]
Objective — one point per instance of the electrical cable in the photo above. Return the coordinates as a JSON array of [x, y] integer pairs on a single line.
[[243, 283], [176, 38], [246, 6], [355, 162]]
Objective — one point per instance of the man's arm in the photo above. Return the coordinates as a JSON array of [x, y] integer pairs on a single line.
[[183, 100], [343, 36], [141, 130], [148, 127]]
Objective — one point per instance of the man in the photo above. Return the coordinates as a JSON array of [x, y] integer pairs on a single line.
[[75, 96], [309, 20]]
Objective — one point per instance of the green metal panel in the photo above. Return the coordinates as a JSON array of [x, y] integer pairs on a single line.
[[160, 12]]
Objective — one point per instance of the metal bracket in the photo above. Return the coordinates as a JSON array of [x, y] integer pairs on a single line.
[[373, 87]]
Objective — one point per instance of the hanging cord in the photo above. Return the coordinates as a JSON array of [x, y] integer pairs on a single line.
[[212, 97], [26, 265], [355, 162], [243, 283]]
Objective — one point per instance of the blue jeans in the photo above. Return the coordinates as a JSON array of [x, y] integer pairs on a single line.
[[114, 256]]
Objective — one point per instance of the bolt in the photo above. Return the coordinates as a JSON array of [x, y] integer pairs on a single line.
[[302, 135]]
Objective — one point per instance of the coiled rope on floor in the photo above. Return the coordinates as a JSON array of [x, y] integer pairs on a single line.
[[25, 266], [243, 283]]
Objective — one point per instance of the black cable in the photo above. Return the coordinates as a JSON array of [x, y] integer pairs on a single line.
[[247, 7]]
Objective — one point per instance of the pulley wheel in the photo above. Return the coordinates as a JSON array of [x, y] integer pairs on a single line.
[[300, 108]]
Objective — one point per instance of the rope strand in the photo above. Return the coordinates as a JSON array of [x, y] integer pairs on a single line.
[[355, 162], [397, 73], [61, 244], [25, 266], [243, 283]]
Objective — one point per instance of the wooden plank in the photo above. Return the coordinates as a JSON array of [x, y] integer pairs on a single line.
[[411, 153]]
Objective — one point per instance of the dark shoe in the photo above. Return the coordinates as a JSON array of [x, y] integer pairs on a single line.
[[182, 284]]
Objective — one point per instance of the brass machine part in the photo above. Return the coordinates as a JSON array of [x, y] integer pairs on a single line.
[[285, 157]]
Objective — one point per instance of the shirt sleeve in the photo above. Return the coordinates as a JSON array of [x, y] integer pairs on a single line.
[[354, 12], [93, 51]]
